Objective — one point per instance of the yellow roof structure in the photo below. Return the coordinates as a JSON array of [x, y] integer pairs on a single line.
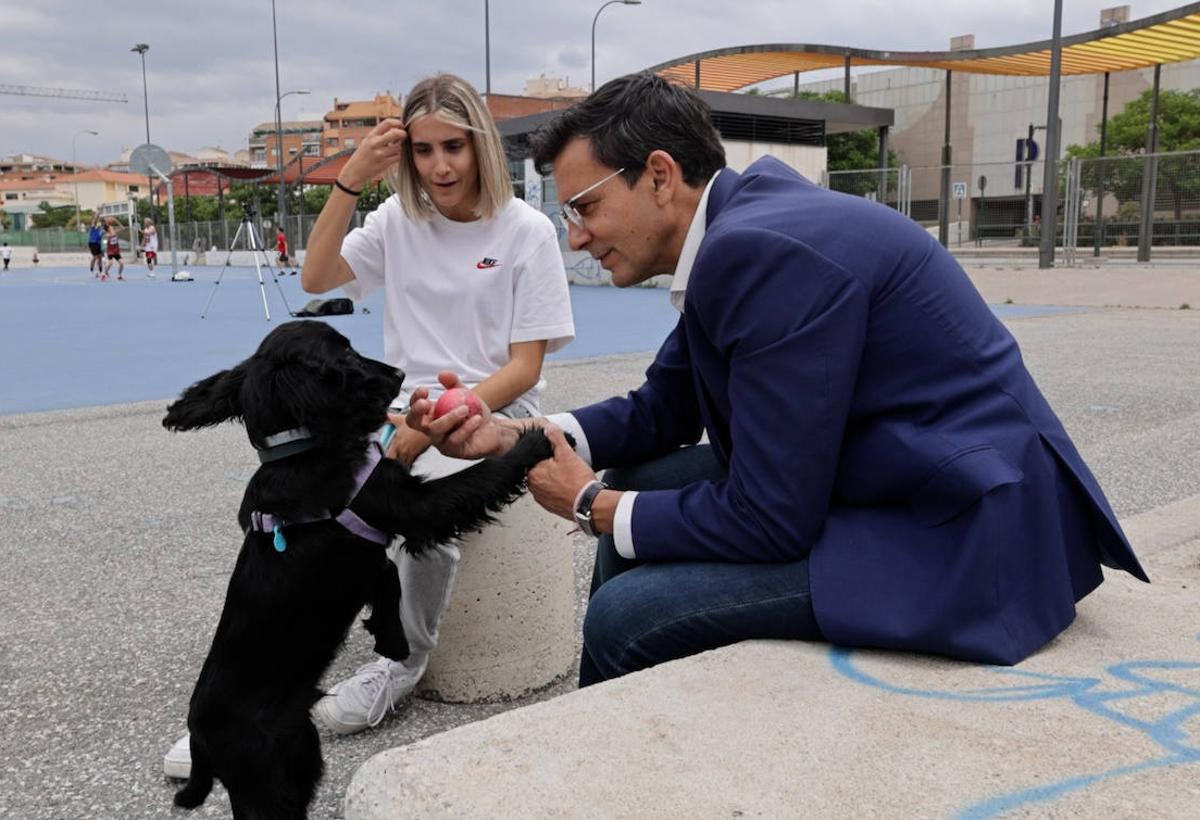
[[1170, 37]]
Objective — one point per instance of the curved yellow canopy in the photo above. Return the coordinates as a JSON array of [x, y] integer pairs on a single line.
[[1170, 37]]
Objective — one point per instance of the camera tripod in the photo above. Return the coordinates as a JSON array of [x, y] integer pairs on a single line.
[[254, 245]]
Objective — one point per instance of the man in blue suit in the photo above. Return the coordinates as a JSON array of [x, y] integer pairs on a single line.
[[880, 468]]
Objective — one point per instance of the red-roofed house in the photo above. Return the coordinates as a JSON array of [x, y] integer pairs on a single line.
[[22, 197]]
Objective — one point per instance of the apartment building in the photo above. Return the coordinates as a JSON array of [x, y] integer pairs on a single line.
[[23, 198], [298, 137], [351, 120]]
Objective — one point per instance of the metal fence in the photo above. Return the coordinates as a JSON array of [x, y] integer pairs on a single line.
[[890, 186], [194, 237], [1147, 200], [1138, 201]]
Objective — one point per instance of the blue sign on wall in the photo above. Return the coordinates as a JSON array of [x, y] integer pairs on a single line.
[[1027, 151]]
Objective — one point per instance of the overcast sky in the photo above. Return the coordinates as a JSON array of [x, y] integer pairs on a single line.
[[210, 68]]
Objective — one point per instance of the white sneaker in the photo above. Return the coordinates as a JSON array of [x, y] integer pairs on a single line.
[[362, 701], [177, 763]]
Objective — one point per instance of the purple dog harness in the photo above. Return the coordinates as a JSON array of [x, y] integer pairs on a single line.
[[289, 440]]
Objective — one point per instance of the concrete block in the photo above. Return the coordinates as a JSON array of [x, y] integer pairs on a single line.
[[1101, 723], [509, 628]]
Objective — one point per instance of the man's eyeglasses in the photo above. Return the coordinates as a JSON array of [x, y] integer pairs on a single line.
[[568, 212]]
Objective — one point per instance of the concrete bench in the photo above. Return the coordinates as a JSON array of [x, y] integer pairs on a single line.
[[1104, 722], [509, 628]]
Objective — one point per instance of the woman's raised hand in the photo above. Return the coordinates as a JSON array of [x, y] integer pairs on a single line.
[[382, 148]]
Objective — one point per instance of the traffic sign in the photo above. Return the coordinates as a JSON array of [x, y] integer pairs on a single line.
[[960, 190]]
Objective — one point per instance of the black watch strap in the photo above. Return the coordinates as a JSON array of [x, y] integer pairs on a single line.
[[583, 509]]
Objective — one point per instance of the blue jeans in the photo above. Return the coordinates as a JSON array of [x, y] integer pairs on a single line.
[[643, 613]]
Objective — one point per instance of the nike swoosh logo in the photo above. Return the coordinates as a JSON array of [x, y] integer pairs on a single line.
[[483, 266]]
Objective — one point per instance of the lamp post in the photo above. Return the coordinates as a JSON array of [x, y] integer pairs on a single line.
[[281, 209], [1050, 175], [597, 17], [142, 48], [487, 49], [75, 169], [279, 151]]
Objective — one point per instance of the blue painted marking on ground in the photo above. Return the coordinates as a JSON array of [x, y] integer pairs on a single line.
[[1169, 731], [67, 340]]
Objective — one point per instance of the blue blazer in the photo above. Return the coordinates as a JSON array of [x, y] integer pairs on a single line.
[[875, 417]]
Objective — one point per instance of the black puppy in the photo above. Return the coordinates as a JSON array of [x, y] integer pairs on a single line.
[[318, 515]]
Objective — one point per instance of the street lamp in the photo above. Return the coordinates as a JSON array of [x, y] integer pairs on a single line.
[[487, 49], [279, 148], [597, 17], [142, 48], [75, 168], [281, 203]]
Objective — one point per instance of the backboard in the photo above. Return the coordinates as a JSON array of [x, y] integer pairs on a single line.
[[146, 155]]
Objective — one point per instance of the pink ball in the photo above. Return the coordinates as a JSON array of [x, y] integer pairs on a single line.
[[456, 397]]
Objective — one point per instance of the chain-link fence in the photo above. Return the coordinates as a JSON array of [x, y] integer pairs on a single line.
[[984, 204], [1112, 194], [194, 237], [1102, 205], [1102, 202], [889, 186]]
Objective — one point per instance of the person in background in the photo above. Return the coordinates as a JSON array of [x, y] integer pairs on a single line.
[[5, 254], [112, 250], [281, 250], [150, 246], [95, 240]]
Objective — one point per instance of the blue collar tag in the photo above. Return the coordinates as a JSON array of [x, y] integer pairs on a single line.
[[280, 542]]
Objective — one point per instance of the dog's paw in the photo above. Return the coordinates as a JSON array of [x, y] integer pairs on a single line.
[[532, 447]]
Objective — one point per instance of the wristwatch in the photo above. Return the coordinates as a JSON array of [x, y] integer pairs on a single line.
[[583, 507]]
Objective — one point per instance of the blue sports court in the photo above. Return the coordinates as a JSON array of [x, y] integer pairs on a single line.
[[69, 340]]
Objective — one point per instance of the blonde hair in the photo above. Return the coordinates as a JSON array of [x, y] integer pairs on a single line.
[[452, 100]]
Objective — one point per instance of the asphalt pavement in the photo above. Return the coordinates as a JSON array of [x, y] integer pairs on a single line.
[[118, 539]]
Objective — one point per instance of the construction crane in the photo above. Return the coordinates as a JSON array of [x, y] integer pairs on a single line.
[[63, 93]]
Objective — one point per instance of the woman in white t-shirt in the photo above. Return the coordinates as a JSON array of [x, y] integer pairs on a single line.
[[473, 282], [150, 246]]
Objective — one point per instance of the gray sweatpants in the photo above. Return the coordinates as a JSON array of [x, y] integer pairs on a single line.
[[427, 580]]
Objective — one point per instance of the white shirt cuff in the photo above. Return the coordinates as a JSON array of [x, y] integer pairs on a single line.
[[623, 525]]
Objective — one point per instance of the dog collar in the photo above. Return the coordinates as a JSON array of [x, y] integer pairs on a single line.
[[265, 522], [284, 444]]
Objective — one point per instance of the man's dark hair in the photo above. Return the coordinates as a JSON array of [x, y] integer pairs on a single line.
[[628, 118]]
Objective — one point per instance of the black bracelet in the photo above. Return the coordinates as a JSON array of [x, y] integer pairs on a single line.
[[346, 190]]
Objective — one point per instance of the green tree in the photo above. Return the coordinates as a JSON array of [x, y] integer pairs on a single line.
[[373, 196], [315, 197], [1178, 130], [851, 150], [187, 209], [49, 216]]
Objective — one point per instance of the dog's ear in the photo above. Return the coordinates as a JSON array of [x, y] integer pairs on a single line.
[[207, 402]]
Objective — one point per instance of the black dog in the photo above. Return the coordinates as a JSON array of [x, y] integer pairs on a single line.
[[318, 515]]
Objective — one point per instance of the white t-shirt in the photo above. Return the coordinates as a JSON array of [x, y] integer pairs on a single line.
[[151, 238], [459, 293], [6, 253]]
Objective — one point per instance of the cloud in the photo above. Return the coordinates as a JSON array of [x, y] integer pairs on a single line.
[[211, 69]]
